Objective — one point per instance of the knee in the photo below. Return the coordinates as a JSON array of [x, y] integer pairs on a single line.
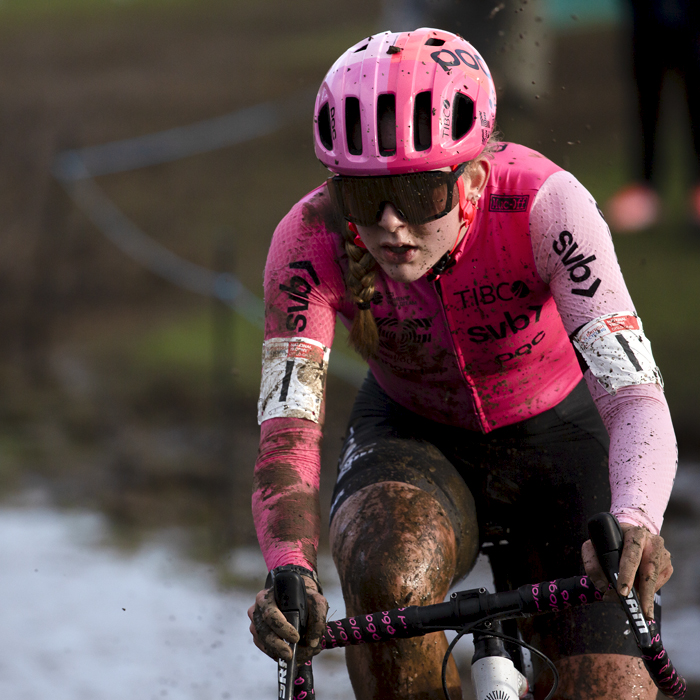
[[393, 545]]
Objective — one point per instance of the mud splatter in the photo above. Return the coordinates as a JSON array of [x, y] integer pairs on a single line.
[[394, 546], [275, 313], [275, 479], [592, 676], [396, 541], [312, 375], [288, 440], [296, 517], [320, 212]]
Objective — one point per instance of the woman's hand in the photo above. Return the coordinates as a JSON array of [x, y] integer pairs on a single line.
[[645, 563], [273, 634]]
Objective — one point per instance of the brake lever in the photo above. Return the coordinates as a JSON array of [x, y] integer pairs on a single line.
[[290, 596], [607, 538]]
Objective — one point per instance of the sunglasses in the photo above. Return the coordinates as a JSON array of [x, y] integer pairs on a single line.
[[418, 197]]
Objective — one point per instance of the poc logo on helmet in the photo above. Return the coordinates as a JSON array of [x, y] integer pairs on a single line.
[[475, 61]]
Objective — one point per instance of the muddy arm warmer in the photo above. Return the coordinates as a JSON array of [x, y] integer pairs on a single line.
[[575, 256], [303, 289], [285, 492]]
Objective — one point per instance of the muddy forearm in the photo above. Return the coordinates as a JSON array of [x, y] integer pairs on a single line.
[[285, 492]]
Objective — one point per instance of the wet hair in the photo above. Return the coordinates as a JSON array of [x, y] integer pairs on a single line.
[[361, 273]]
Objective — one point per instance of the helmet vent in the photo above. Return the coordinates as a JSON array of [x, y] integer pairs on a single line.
[[324, 127], [362, 48], [462, 116], [434, 42], [353, 126], [422, 115], [386, 124]]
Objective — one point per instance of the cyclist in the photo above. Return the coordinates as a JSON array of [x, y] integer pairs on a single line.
[[511, 394]]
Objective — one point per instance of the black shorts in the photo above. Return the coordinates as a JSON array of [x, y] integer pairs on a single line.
[[534, 485]]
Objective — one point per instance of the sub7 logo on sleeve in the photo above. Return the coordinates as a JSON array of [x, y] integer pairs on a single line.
[[298, 292], [576, 265]]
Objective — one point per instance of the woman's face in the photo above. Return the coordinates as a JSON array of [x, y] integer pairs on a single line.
[[404, 251]]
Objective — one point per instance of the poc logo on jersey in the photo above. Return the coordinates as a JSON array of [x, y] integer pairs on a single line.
[[577, 265]]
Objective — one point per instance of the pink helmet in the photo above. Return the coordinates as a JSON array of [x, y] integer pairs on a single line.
[[431, 84]]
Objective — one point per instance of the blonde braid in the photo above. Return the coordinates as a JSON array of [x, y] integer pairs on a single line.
[[359, 280]]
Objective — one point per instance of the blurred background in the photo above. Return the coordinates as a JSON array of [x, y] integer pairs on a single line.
[[148, 149]]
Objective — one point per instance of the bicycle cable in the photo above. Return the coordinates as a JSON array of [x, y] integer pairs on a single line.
[[474, 625]]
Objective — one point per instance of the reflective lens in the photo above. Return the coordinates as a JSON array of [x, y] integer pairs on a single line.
[[418, 197]]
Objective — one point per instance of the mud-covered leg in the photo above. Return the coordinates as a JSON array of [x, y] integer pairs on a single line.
[[394, 545], [602, 677]]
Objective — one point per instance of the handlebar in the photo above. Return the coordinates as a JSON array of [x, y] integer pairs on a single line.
[[606, 536], [476, 605], [464, 608], [290, 596], [468, 607]]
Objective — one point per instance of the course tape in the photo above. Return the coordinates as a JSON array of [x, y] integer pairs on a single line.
[[75, 170], [174, 144]]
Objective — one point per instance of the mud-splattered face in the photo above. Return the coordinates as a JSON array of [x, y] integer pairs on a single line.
[[406, 252]]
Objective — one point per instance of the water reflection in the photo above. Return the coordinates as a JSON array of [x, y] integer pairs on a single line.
[[83, 619]]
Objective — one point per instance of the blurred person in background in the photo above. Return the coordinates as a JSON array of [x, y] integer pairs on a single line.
[[511, 395], [665, 39]]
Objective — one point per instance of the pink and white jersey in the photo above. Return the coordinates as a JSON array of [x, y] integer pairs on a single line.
[[488, 343]]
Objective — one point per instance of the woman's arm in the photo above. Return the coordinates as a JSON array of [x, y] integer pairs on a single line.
[[574, 254], [303, 292], [566, 227], [643, 452]]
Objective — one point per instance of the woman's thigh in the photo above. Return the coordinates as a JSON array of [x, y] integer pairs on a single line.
[[394, 546], [386, 444]]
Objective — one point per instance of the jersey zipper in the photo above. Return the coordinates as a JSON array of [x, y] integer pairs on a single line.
[[476, 403]]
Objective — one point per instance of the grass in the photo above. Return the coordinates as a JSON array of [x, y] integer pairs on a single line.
[[192, 345]]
